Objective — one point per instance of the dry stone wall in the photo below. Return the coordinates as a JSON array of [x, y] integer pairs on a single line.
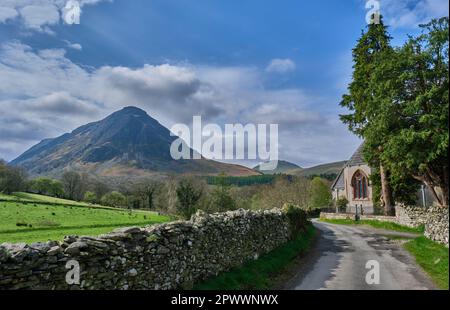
[[167, 256], [411, 216], [434, 219], [436, 225]]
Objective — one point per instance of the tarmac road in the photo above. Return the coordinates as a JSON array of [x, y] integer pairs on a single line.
[[338, 262]]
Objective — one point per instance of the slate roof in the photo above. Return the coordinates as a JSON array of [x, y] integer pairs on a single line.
[[339, 182], [356, 160], [357, 157]]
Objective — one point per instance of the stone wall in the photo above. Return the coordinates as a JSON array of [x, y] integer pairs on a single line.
[[167, 256], [410, 216], [436, 225], [435, 219]]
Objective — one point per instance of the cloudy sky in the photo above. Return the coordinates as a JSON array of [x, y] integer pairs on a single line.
[[286, 62]]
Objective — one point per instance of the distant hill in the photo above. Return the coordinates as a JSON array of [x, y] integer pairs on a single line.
[[330, 169], [126, 144], [283, 167]]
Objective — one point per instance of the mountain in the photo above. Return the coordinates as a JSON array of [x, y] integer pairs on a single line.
[[283, 167], [325, 169], [329, 170], [128, 143]]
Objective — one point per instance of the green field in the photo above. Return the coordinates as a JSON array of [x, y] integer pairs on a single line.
[[26, 221], [29, 197]]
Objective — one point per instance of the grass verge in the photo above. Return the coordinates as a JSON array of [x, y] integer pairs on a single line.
[[432, 257], [376, 224], [259, 274]]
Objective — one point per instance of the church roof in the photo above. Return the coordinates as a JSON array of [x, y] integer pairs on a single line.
[[356, 160], [357, 157], [339, 182]]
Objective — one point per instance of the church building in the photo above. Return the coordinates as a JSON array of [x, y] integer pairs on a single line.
[[354, 184]]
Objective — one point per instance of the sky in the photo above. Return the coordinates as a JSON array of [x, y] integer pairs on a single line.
[[250, 61]]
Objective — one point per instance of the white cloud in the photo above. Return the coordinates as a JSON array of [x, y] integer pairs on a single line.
[[278, 65], [43, 94], [7, 13], [411, 13], [37, 15], [74, 46]]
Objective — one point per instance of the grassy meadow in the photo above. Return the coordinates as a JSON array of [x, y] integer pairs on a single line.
[[34, 218]]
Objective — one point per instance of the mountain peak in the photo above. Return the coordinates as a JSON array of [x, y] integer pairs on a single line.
[[132, 110], [128, 143]]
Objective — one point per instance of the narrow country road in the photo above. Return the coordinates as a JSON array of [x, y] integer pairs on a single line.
[[338, 262]]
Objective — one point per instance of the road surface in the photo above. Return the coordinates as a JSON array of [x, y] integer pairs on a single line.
[[338, 262]]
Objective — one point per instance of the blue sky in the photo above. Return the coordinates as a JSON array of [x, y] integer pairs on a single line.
[[285, 62]]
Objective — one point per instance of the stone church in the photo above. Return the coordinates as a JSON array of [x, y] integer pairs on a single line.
[[353, 183]]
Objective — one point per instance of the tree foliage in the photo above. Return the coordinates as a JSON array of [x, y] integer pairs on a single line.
[[12, 179], [188, 195], [47, 186], [398, 100], [221, 199], [72, 184], [114, 199], [90, 197], [320, 194], [146, 191]]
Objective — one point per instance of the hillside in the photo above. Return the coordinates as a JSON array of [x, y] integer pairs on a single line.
[[126, 144], [329, 170], [283, 167], [30, 218], [325, 169]]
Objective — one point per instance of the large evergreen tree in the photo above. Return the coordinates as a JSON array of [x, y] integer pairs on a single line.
[[411, 86], [399, 104], [361, 99]]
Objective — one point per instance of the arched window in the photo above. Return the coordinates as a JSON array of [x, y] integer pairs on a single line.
[[359, 184]]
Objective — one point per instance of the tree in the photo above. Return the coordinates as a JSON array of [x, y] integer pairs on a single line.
[[12, 179], [114, 199], [166, 199], [90, 197], [221, 198], [99, 188], [41, 185], [418, 97], [147, 192], [284, 190], [411, 85], [47, 186], [56, 189], [320, 194], [188, 196], [403, 115], [362, 100], [72, 185]]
